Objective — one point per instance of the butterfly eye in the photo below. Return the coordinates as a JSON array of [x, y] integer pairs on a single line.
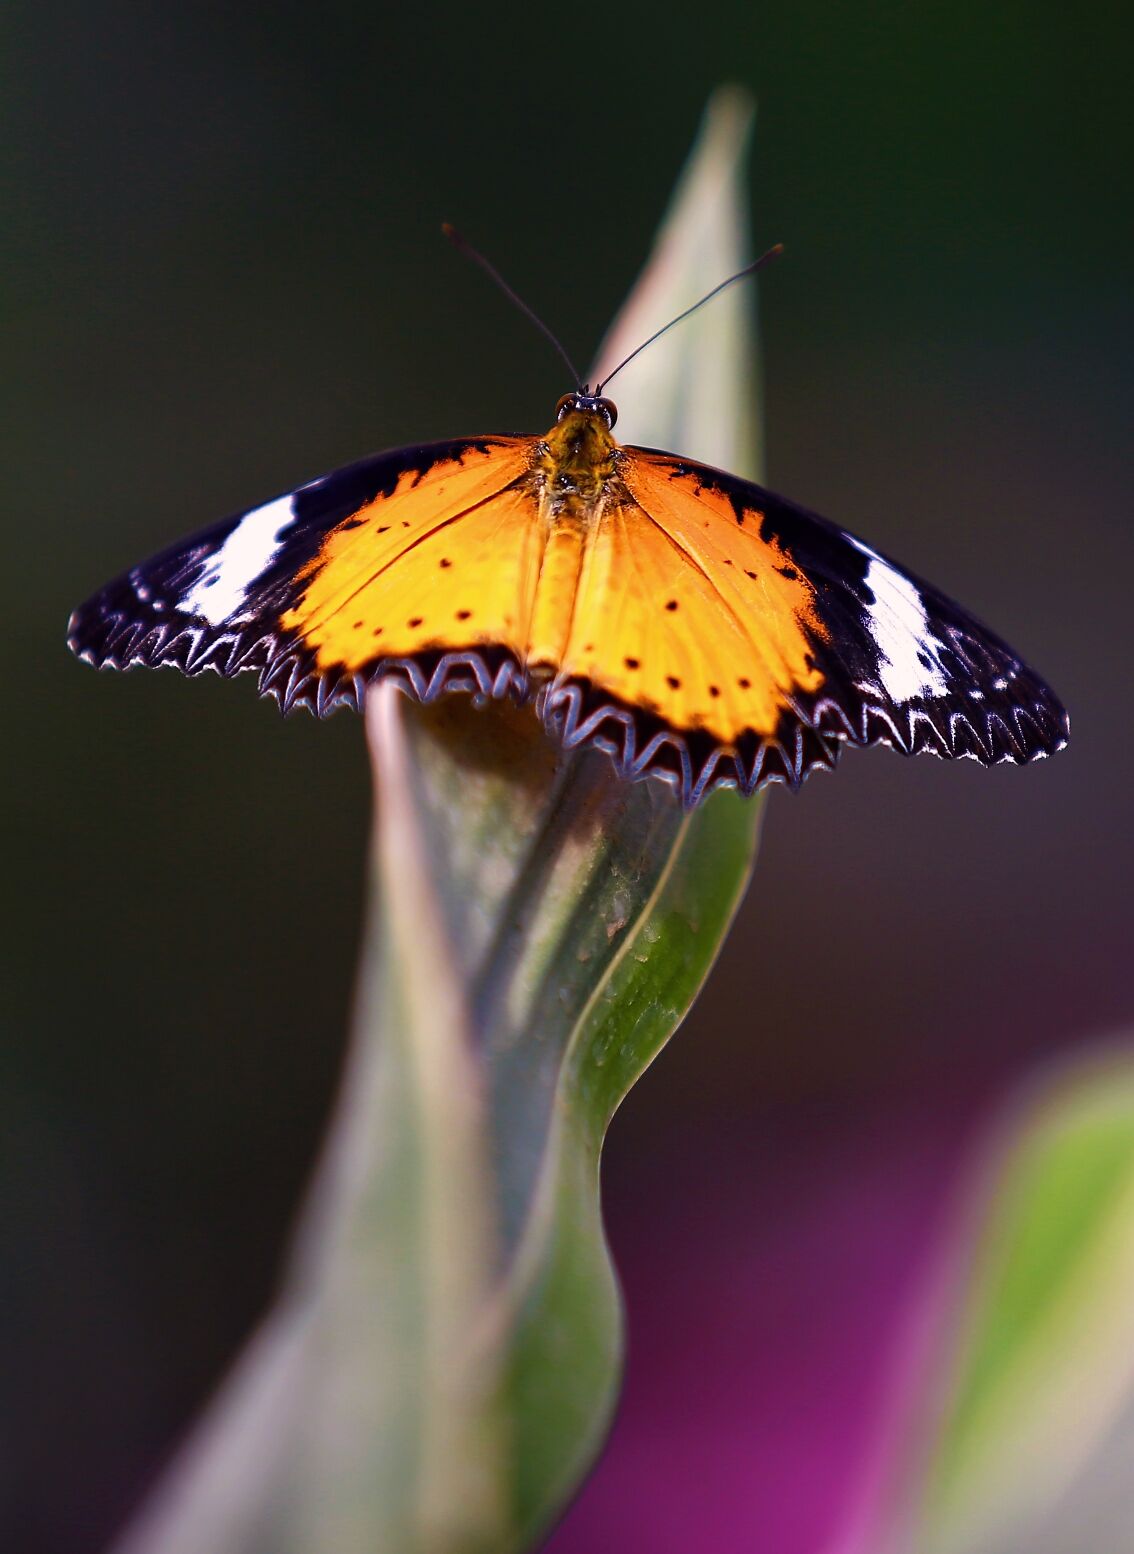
[[568, 403], [608, 410]]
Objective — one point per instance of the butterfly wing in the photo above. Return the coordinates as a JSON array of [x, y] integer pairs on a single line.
[[355, 574], [725, 634]]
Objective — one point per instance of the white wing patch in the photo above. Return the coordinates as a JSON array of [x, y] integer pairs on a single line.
[[245, 555], [900, 628]]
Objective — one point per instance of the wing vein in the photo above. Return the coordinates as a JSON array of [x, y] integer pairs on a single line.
[[698, 566], [343, 600]]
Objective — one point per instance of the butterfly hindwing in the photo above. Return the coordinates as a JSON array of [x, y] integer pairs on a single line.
[[279, 588]]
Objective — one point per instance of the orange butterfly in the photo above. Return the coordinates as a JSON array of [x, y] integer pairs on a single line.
[[688, 622]]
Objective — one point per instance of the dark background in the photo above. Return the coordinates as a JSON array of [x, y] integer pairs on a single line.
[[224, 276]]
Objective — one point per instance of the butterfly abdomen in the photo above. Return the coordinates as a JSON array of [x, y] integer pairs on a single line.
[[556, 590]]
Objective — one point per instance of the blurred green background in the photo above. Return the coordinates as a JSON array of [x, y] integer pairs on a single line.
[[224, 276]]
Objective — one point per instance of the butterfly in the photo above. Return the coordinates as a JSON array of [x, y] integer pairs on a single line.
[[689, 623]]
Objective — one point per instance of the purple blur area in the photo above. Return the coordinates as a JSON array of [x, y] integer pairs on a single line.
[[767, 1361]]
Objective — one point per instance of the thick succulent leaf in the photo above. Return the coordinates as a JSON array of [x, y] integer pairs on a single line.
[[1031, 1442], [442, 1362]]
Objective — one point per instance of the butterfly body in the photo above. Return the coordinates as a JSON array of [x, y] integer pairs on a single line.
[[689, 623], [572, 478]]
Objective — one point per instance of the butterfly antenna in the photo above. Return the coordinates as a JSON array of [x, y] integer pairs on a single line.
[[470, 252], [749, 269]]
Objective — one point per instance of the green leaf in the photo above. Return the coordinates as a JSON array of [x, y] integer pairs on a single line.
[[1034, 1448], [442, 1362]]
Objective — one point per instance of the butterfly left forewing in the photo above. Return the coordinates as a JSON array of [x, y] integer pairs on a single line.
[[887, 659], [279, 588]]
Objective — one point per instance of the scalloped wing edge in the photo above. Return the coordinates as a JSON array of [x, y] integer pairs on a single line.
[[811, 737]]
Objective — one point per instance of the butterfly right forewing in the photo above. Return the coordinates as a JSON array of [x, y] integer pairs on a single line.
[[891, 659]]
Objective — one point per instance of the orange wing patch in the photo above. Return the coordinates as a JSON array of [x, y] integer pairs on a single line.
[[446, 561], [689, 615]]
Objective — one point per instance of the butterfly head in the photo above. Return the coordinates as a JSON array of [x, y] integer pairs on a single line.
[[583, 403]]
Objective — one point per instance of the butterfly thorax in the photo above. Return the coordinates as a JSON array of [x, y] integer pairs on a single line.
[[575, 464]]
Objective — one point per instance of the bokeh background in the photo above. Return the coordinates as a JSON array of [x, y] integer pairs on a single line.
[[224, 276]]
